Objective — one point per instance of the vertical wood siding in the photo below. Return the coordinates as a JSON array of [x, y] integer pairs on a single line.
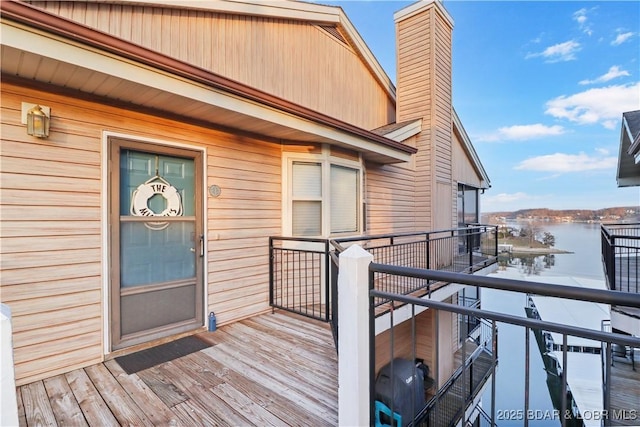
[[463, 170], [297, 61], [51, 242]]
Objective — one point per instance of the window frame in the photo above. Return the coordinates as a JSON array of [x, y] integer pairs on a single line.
[[326, 160]]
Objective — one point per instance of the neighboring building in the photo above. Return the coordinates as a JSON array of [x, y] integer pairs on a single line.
[[182, 136], [621, 242], [629, 157]]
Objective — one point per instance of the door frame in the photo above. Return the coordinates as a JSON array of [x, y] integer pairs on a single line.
[[107, 264]]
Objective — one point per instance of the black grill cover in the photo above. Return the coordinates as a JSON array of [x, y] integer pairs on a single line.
[[404, 392]]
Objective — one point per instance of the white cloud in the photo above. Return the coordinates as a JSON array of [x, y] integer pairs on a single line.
[[598, 105], [522, 132], [580, 16], [621, 38], [564, 163], [558, 52], [613, 73]]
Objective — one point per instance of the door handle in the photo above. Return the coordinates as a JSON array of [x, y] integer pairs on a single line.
[[202, 245]]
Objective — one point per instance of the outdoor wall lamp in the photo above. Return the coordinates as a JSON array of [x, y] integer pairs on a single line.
[[37, 119]]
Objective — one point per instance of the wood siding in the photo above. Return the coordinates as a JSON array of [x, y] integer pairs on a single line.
[[463, 170], [390, 201], [298, 61], [52, 243], [425, 337], [424, 92]]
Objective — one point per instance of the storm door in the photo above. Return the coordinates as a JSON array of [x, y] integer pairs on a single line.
[[157, 242]]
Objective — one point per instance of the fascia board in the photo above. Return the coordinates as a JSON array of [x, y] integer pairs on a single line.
[[468, 146], [46, 45]]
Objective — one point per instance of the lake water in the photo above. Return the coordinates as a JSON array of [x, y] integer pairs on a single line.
[[585, 261]]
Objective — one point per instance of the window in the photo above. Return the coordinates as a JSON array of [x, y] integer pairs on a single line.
[[306, 196], [467, 205], [323, 195], [344, 199]]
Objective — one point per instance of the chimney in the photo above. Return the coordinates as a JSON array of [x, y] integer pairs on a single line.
[[423, 43]]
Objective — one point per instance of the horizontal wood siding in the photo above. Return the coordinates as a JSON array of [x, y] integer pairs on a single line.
[[390, 199], [295, 60], [50, 247], [51, 242]]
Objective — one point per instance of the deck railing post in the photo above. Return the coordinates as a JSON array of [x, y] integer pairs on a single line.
[[354, 391], [271, 275], [8, 404]]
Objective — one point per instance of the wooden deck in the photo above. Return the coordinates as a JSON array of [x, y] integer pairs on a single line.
[[274, 369], [625, 391]]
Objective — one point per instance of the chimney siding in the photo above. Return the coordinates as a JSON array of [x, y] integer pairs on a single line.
[[423, 40]]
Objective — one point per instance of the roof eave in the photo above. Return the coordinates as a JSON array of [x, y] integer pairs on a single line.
[[106, 47], [471, 151]]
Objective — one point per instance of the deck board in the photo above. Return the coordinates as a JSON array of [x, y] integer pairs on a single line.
[[625, 392], [64, 405], [271, 370]]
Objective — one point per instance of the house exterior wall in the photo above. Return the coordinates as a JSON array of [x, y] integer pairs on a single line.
[[282, 57], [463, 170], [52, 240]]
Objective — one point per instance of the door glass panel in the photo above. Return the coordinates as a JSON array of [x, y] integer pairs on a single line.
[[156, 186], [155, 256], [136, 168]]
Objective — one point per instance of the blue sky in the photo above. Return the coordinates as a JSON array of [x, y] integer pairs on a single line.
[[540, 87]]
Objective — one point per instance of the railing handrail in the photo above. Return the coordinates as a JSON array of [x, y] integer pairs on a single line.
[[514, 320], [561, 291], [408, 233], [611, 231]]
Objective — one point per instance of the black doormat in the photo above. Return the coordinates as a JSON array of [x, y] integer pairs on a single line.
[[144, 359]]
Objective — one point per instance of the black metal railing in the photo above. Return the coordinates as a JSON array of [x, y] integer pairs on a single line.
[[452, 399], [431, 414], [299, 272], [466, 249], [621, 256], [303, 272]]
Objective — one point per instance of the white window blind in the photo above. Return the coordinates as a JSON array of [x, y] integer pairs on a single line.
[[307, 180], [344, 199], [306, 194]]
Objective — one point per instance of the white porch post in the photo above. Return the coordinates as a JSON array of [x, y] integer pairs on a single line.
[[9, 407], [353, 337]]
